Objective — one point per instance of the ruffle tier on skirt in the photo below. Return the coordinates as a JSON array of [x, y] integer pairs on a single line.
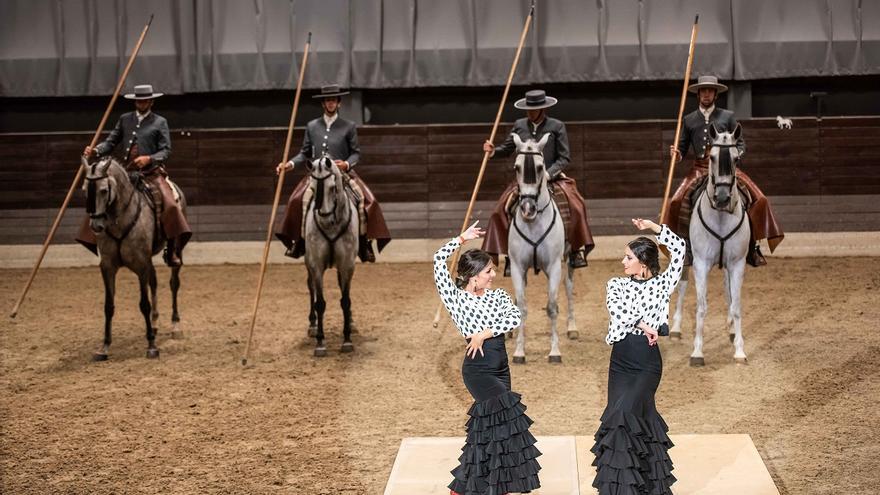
[[632, 455], [499, 455]]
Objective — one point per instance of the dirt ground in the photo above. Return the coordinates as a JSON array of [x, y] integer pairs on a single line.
[[196, 421]]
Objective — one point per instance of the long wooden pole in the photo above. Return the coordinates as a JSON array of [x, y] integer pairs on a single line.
[[269, 232], [81, 170], [487, 154], [684, 91]]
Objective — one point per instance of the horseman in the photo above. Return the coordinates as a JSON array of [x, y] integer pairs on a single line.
[[695, 134], [571, 204], [147, 148], [336, 137]]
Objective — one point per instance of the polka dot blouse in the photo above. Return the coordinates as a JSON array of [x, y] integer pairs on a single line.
[[630, 301], [473, 314]]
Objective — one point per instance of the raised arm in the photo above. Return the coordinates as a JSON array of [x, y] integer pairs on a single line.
[[442, 277], [676, 247]]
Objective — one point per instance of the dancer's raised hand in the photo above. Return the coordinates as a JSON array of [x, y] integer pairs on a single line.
[[643, 224], [472, 232]]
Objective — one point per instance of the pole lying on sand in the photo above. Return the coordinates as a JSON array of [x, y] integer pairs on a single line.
[[302, 71], [81, 170], [487, 154]]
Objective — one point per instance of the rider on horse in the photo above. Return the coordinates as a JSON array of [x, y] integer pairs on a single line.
[[147, 148], [571, 204], [695, 134], [332, 135]]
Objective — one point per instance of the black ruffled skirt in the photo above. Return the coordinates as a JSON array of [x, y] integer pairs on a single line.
[[631, 443], [499, 454]]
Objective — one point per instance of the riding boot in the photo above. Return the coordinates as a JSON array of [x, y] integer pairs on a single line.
[[297, 250], [171, 256], [365, 250], [754, 256], [507, 266], [576, 259]]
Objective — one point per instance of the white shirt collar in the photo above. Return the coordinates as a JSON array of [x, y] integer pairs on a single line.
[[330, 120], [707, 111], [142, 116]]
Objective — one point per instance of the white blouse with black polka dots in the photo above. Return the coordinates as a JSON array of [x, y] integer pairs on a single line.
[[473, 314], [630, 301]]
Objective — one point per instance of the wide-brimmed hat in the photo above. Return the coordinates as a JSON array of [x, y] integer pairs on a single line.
[[707, 82], [143, 92], [535, 99], [330, 91]]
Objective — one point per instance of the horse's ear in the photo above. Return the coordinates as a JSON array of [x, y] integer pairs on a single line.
[[737, 133], [311, 165], [543, 141], [517, 140], [713, 132]]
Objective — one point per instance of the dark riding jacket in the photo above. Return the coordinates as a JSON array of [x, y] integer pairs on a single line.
[[556, 151], [695, 131], [151, 136], [340, 141]]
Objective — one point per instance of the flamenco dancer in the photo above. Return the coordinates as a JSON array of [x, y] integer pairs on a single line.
[[631, 443], [499, 455]]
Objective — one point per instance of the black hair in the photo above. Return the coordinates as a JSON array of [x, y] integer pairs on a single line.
[[470, 264], [647, 252]]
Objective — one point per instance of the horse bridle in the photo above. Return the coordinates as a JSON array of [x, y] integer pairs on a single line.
[[91, 205], [534, 197], [727, 184], [319, 201]]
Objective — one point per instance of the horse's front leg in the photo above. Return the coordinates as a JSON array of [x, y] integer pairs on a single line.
[[735, 278], [554, 273], [675, 332], [519, 287], [154, 314], [145, 306], [176, 332], [344, 278], [313, 315], [317, 283], [701, 269], [572, 330], [108, 274]]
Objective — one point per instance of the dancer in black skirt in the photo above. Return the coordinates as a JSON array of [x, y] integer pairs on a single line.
[[499, 454], [631, 444]]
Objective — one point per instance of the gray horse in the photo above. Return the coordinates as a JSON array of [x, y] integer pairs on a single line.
[[719, 234], [537, 240], [128, 233], [331, 234]]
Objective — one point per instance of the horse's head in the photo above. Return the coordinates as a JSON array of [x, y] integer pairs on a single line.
[[101, 189], [531, 174], [724, 157], [326, 182]]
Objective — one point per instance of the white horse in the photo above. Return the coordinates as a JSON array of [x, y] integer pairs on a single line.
[[537, 240], [719, 233]]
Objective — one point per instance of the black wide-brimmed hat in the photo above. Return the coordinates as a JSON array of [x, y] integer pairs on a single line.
[[707, 82], [330, 91], [535, 99], [143, 92]]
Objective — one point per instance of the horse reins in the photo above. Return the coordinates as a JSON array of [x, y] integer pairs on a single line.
[[91, 206], [534, 197], [722, 240], [319, 201]]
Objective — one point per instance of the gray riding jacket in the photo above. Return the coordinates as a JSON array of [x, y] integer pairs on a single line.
[[340, 141], [151, 136], [556, 151], [695, 131]]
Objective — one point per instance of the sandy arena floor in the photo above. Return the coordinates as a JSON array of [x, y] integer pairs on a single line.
[[195, 421]]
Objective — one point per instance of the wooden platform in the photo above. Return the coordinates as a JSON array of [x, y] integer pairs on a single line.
[[704, 465]]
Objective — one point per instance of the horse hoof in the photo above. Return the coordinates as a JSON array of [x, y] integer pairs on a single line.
[[99, 356], [573, 334], [741, 360], [698, 361], [519, 360], [674, 335], [347, 347], [554, 359], [313, 331], [732, 336], [320, 351], [152, 353]]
